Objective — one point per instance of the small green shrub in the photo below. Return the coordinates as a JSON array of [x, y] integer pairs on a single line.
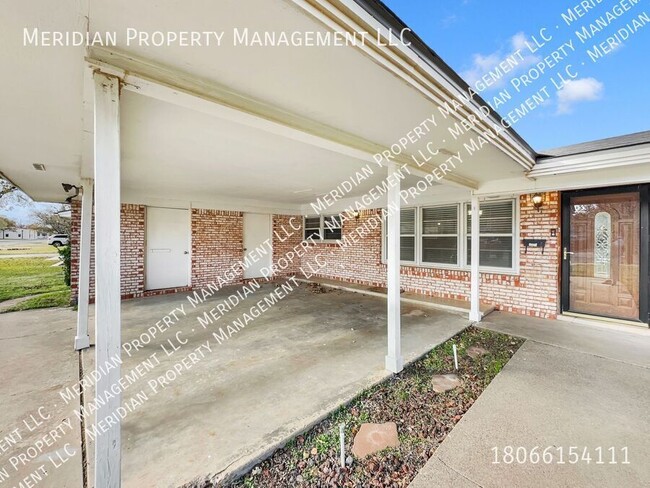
[[65, 254]]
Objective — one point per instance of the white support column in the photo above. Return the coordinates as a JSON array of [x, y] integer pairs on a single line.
[[82, 340], [475, 277], [107, 275], [394, 360]]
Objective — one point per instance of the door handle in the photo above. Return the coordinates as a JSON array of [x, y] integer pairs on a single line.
[[566, 253]]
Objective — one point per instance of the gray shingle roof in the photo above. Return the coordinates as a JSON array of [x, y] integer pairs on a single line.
[[599, 145]]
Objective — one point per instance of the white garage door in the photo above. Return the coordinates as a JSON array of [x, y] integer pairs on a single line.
[[167, 262]]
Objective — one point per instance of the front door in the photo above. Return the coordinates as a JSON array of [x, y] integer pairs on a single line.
[[257, 244], [168, 240], [605, 253]]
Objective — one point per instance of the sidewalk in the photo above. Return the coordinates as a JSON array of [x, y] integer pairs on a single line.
[[568, 385]]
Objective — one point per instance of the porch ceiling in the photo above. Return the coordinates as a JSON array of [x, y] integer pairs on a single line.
[[170, 151]]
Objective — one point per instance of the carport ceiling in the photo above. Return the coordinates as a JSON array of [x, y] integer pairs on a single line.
[[169, 149]]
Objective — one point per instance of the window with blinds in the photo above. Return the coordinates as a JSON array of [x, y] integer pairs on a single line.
[[328, 227], [496, 222], [332, 227], [312, 228], [407, 235], [440, 235]]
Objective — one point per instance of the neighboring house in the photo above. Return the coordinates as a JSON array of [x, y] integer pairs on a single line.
[[24, 234]]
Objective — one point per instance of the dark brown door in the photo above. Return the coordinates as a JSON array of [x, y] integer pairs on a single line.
[[602, 253]]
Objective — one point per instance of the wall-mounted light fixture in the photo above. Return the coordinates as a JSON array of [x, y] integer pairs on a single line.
[[356, 214], [537, 200], [67, 187]]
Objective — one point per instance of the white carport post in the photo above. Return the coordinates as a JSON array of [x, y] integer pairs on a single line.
[[475, 277], [394, 360], [82, 339], [107, 276]]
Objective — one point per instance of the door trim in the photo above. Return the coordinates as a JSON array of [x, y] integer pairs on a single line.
[[189, 250], [644, 245], [270, 238]]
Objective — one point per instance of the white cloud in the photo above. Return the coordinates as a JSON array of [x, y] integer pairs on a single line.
[[449, 20], [580, 90], [482, 64]]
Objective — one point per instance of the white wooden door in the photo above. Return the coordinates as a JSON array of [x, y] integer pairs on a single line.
[[167, 261], [257, 230]]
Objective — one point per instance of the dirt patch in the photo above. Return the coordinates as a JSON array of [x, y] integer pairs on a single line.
[[423, 419], [318, 288]]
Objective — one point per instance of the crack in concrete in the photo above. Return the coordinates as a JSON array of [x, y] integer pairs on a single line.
[[559, 346], [36, 334], [459, 473], [566, 348]]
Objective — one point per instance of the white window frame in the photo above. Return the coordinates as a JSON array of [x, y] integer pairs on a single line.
[[384, 239], [462, 240], [421, 235], [514, 269], [322, 227]]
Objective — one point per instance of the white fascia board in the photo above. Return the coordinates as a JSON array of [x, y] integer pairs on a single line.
[[598, 160], [407, 65], [611, 176]]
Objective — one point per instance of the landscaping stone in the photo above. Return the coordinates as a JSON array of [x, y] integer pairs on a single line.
[[445, 382], [372, 438], [476, 351], [423, 414]]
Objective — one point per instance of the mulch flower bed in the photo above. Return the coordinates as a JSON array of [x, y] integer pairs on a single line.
[[423, 419]]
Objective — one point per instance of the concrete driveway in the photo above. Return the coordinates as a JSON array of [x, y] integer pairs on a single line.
[[286, 370], [568, 385]]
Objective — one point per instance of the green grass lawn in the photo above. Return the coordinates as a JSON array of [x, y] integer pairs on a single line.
[[26, 247], [21, 277]]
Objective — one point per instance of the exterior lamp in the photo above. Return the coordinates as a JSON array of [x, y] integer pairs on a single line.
[[355, 214], [538, 200]]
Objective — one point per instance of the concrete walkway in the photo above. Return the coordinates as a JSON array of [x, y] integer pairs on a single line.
[[38, 361], [568, 385]]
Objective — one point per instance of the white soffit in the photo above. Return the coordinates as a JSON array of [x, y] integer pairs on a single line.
[[168, 150], [41, 101]]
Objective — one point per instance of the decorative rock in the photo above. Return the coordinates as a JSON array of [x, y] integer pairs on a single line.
[[348, 461], [445, 382], [476, 351], [372, 438]]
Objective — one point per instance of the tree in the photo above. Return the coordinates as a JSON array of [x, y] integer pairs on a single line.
[[53, 221], [6, 188], [11, 195], [7, 223]]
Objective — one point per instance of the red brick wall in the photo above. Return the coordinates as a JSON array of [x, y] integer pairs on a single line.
[[533, 291], [132, 242], [132, 250], [217, 243], [287, 236]]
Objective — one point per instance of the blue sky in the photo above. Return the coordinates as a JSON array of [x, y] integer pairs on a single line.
[[611, 96]]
